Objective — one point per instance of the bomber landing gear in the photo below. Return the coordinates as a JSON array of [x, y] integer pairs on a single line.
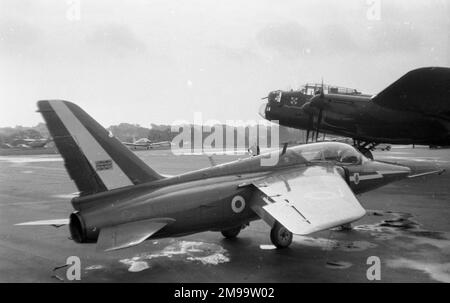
[[367, 153], [365, 148], [232, 232], [280, 236]]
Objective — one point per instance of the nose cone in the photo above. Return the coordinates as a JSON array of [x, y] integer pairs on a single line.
[[391, 172], [263, 109]]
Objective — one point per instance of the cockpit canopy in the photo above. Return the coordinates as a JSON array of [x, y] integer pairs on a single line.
[[314, 88], [330, 152]]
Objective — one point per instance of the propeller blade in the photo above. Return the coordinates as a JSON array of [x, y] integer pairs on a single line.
[[322, 92], [319, 121], [310, 127]]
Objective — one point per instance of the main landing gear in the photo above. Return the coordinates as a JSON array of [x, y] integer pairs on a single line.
[[280, 236], [346, 227], [232, 232], [365, 148]]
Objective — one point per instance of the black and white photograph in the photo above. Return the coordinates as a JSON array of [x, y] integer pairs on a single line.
[[244, 143]]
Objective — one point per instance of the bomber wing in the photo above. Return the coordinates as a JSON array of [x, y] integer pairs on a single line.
[[306, 200], [424, 90]]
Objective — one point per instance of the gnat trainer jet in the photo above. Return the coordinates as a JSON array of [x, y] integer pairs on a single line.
[[415, 109], [124, 202]]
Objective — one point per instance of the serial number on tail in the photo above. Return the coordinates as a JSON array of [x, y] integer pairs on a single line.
[[103, 165]]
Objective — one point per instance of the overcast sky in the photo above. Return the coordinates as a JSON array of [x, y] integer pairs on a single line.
[[159, 61]]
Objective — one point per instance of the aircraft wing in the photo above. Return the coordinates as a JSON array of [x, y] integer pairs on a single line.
[[161, 143], [306, 200], [424, 90], [129, 234]]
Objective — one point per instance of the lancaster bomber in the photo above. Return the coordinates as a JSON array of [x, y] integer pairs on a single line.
[[415, 109], [123, 202]]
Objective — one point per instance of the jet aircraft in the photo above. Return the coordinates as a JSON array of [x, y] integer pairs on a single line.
[[124, 202], [415, 109]]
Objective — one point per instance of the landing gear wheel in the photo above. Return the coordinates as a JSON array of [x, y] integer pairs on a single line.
[[346, 227], [231, 233], [280, 236]]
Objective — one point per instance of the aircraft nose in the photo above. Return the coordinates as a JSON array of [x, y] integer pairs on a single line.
[[263, 109], [393, 172]]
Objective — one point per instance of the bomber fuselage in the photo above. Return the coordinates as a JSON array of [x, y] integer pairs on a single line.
[[355, 116]]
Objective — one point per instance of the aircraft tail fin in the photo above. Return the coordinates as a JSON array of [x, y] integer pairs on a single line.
[[94, 159]]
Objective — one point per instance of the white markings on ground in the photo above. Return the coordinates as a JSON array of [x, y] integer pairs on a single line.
[[267, 247], [205, 253], [21, 160], [213, 259], [94, 267], [135, 266]]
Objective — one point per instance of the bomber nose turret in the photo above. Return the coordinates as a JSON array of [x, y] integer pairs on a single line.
[[263, 109]]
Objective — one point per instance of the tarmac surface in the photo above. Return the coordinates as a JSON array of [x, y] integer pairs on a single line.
[[407, 227]]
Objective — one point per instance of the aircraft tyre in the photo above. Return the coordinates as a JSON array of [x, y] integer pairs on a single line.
[[231, 233], [280, 236]]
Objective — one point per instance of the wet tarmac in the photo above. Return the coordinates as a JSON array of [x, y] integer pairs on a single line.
[[407, 227]]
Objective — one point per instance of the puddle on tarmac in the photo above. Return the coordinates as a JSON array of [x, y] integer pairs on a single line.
[[403, 225], [330, 244], [427, 248], [94, 267], [437, 271], [338, 264], [205, 253]]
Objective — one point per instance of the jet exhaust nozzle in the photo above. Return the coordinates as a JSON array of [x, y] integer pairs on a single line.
[[77, 228]]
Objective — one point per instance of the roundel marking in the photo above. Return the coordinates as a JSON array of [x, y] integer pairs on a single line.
[[356, 177], [238, 204]]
